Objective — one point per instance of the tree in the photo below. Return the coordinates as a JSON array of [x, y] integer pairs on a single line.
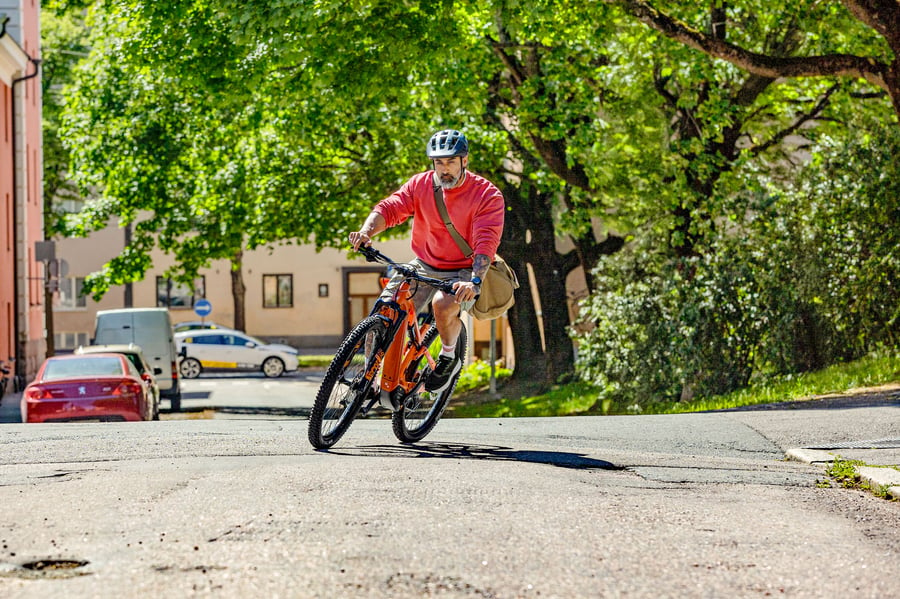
[[875, 60], [695, 323], [337, 94], [596, 132], [170, 127], [63, 45]]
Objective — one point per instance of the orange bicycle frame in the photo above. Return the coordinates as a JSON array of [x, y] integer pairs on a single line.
[[400, 355]]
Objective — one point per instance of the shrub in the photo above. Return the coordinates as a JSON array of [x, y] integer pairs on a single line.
[[807, 277], [478, 374]]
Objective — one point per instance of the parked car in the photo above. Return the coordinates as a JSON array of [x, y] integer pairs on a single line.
[[104, 386], [151, 329], [232, 350], [194, 325], [136, 355]]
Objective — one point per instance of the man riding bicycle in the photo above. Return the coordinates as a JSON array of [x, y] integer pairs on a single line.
[[476, 210]]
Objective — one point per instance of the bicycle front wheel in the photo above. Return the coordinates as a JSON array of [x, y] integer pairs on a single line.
[[345, 385], [421, 410]]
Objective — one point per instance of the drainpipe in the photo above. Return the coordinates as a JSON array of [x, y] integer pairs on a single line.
[[20, 363]]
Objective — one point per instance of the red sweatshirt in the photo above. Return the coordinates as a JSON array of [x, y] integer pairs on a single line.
[[476, 209]]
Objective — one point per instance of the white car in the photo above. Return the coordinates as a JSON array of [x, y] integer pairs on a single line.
[[222, 349], [193, 325]]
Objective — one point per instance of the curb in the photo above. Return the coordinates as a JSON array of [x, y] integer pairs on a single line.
[[886, 478]]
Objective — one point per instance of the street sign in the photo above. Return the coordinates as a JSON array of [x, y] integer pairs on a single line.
[[202, 307]]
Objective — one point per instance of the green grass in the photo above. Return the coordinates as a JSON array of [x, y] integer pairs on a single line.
[[564, 400], [846, 473], [866, 372], [581, 398], [315, 361]]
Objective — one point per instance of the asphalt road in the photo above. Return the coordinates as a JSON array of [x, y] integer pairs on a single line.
[[238, 505]]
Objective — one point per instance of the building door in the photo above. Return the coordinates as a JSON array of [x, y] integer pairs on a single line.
[[362, 287]]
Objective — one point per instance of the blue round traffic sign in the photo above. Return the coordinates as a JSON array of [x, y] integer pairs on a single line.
[[202, 307]]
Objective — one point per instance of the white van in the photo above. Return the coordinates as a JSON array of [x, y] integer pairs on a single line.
[[151, 328]]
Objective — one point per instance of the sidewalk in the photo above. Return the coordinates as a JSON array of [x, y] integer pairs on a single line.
[[880, 458]]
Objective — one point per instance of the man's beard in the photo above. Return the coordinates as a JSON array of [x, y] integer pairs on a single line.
[[449, 182]]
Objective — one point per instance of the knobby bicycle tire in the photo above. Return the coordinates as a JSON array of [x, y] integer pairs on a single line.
[[344, 387], [421, 411]]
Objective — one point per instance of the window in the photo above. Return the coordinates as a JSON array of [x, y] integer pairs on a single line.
[[239, 341], [70, 297], [70, 340], [278, 291], [172, 294]]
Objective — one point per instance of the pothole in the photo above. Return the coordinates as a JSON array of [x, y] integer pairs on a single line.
[[54, 564], [46, 568]]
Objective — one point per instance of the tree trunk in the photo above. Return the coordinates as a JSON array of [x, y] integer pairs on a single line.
[[528, 238], [238, 290]]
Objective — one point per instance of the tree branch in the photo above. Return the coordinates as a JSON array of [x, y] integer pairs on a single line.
[[843, 65], [881, 15], [804, 118]]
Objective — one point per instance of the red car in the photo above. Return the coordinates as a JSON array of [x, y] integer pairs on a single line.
[[104, 386]]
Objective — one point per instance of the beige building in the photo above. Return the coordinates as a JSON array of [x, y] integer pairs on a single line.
[[293, 294]]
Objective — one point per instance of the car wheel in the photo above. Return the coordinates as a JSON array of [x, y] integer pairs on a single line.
[[190, 368], [273, 367]]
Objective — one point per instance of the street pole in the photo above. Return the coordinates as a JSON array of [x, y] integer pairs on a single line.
[[45, 252], [493, 359], [48, 315]]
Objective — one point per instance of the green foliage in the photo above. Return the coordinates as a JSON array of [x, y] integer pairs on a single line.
[[583, 398], [804, 278], [63, 45], [672, 330], [842, 240], [478, 375], [845, 472], [215, 127], [212, 143], [562, 400], [870, 371]]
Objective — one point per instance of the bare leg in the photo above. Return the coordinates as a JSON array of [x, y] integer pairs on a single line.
[[446, 317]]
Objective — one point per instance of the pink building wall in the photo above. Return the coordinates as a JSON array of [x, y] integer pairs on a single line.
[[21, 190], [7, 269]]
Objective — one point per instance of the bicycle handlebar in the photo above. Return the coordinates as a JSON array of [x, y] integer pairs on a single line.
[[373, 255]]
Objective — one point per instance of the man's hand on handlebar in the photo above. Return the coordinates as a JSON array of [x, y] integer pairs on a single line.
[[358, 238], [465, 291], [374, 225]]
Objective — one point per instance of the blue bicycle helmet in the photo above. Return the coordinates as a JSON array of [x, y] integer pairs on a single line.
[[446, 144]]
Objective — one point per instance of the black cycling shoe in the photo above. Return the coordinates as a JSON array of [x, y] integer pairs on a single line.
[[446, 368]]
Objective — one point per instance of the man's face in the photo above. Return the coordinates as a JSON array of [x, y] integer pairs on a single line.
[[450, 170]]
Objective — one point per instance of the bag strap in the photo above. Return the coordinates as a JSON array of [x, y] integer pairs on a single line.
[[442, 208]]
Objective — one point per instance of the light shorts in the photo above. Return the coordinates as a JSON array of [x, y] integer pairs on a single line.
[[422, 293]]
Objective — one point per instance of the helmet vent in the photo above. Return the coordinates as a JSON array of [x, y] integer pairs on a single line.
[[447, 143]]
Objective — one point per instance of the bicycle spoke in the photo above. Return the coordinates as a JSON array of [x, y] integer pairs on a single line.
[[422, 409], [344, 386]]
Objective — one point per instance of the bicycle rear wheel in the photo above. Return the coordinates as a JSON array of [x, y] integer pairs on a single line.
[[345, 387], [421, 410]]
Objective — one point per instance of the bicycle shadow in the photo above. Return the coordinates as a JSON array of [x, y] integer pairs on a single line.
[[456, 451]]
